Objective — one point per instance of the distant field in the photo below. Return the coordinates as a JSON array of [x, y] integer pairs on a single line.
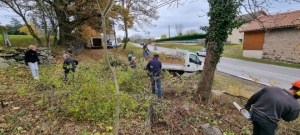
[[23, 40]]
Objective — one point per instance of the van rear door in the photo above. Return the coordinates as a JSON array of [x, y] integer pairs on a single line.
[[97, 43]]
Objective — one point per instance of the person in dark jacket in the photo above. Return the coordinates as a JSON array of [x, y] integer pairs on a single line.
[[272, 103], [154, 67], [32, 60], [69, 65], [146, 51]]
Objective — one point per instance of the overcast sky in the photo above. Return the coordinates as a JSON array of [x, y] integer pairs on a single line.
[[187, 14]]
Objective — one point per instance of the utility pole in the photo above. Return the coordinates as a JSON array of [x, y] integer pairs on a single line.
[[169, 31]]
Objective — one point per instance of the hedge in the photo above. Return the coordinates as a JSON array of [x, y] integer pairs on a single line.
[[183, 37]]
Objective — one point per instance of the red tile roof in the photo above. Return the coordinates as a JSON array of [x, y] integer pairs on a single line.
[[280, 20]]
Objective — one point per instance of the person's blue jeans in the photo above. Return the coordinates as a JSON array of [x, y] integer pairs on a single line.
[[156, 80], [34, 69], [262, 125]]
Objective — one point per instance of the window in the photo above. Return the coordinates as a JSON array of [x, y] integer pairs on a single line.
[[241, 40], [194, 59]]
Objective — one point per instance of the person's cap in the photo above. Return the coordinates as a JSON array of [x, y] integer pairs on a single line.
[[296, 84]]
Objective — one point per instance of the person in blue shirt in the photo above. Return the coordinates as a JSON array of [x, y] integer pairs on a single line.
[[154, 67]]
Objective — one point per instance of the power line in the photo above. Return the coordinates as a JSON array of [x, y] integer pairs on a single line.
[[162, 4]]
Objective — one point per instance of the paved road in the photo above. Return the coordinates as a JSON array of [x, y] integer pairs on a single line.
[[262, 73]]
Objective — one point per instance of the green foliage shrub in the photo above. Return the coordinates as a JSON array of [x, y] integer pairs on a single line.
[[183, 37], [91, 95]]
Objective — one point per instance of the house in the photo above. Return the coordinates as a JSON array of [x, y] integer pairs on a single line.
[[274, 37], [236, 36]]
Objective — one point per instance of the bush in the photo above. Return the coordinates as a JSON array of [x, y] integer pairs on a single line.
[[184, 37], [124, 40], [90, 96]]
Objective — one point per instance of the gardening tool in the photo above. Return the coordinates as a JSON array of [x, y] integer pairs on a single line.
[[243, 111]]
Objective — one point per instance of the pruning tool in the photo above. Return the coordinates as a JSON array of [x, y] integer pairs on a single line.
[[243, 111]]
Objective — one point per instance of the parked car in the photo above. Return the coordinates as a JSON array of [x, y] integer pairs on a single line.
[[115, 44], [202, 52], [142, 43]]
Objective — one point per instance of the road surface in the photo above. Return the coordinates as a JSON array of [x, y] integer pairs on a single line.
[[262, 73]]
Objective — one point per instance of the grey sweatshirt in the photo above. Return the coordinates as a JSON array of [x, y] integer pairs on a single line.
[[274, 103]]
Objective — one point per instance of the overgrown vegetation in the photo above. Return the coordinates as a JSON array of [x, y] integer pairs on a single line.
[[87, 104]]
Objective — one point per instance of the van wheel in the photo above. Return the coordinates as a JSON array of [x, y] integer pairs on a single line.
[[180, 73]]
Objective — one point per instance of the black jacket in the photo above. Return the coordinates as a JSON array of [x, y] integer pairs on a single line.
[[274, 103], [31, 56], [154, 67], [70, 64]]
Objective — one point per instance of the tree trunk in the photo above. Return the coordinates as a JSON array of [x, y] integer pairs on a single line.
[[126, 36], [207, 76], [55, 40], [222, 20], [54, 30], [62, 38], [39, 42]]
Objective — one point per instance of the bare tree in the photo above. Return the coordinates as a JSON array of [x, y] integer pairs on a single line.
[[139, 12], [103, 18], [42, 14], [135, 38], [22, 8], [179, 29], [189, 32]]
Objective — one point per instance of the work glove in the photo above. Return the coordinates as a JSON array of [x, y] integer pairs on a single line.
[[247, 108]]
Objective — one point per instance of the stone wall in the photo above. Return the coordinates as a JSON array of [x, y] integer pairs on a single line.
[[282, 45], [17, 55]]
